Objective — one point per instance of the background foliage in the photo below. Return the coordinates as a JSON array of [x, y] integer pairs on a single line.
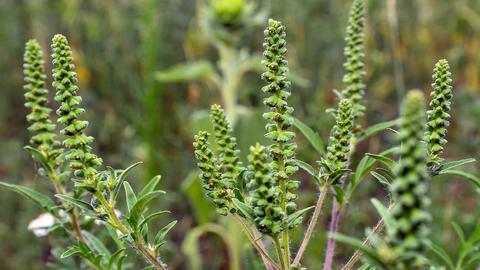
[[120, 47]]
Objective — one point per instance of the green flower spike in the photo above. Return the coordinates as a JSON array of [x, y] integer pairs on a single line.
[[82, 161], [438, 115], [211, 175], [354, 53], [265, 193], [283, 149], [229, 159], [410, 188], [37, 101], [338, 148]]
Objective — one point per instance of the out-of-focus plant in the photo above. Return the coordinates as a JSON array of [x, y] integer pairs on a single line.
[[74, 172], [262, 197]]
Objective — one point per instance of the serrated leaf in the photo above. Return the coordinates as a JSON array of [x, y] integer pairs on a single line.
[[121, 178], [74, 201], [41, 199], [150, 186], [311, 136], [372, 130], [453, 164], [96, 244], [70, 251], [152, 216], [138, 208], [185, 72], [292, 218], [385, 214], [163, 232], [246, 210], [470, 177], [129, 195]]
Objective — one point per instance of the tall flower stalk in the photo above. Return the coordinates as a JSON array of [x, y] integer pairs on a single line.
[[410, 188], [438, 114]]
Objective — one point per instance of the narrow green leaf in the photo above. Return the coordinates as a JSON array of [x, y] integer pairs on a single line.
[[246, 210], [311, 136], [357, 244], [41, 199], [150, 186], [138, 208], [380, 178], [163, 232], [114, 256], [385, 160], [307, 167], [96, 244], [470, 177], [459, 232], [74, 201], [129, 195], [372, 130], [70, 251], [185, 72], [385, 214], [121, 178], [292, 218], [39, 157], [152, 216], [453, 164], [339, 194], [442, 254]]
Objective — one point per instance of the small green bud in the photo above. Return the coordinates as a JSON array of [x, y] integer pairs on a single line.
[[355, 53], [409, 189], [265, 193], [438, 114], [82, 161], [227, 11]]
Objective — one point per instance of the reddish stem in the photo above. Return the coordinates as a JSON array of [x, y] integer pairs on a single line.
[[331, 241]]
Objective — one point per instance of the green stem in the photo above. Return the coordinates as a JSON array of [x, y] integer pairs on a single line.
[[311, 225], [278, 248], [139, 244]]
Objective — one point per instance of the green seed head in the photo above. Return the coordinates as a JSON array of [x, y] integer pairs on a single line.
[[438, 114], [211, 175], [82, 161], [355, 53], [36, 98], [228, 157], [339, 144], [410, 188], [279, 117], [265, 192]]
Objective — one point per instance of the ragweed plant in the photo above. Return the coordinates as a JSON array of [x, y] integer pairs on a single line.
[[265, 205], [86, 192]]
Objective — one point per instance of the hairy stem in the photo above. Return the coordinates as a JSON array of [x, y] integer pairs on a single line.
[[267, 260], [312, 224], [278, 248], [139, 244], [358, 253], [337, 209]]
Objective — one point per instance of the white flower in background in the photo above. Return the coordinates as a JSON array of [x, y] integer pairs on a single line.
[[41, 224]]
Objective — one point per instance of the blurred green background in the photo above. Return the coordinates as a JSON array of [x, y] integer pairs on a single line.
[[140, 108]]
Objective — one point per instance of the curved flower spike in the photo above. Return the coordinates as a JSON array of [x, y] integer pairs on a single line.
[[354, 52], [82, 161], [409, 189], [36, 99], [438, 114]]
